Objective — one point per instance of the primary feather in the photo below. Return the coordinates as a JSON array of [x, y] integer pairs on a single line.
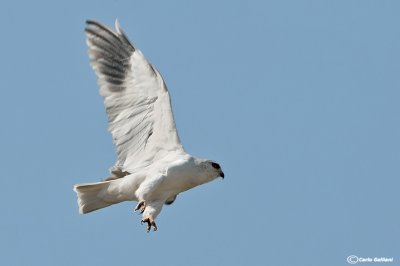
[[135, 96]]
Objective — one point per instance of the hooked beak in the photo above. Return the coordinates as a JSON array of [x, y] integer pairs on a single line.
[[222, 174]]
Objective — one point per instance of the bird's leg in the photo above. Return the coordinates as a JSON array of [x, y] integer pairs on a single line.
[[150, 213], [150, 222], [141, 206]]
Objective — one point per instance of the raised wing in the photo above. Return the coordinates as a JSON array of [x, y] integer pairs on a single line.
[[135, 96]]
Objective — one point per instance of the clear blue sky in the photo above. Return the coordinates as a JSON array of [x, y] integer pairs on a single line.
[[298, 100]]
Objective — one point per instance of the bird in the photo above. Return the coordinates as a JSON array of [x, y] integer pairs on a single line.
[[152, 168]]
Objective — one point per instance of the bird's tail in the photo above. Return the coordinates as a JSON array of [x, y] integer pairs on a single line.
[[91, 196]]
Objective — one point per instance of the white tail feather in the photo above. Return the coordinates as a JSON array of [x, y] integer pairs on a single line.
[[91, 196]]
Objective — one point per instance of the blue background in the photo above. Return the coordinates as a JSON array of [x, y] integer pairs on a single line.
[[298, 101]]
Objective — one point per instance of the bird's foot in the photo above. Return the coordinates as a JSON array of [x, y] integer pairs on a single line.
[[150, 222], [141, 206]]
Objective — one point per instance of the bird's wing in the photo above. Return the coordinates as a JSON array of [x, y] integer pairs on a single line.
[[135, 96]]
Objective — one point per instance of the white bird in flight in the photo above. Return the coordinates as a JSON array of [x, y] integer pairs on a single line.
[[152, 167]]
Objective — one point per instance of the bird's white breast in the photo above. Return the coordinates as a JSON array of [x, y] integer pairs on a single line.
[[180, 176]]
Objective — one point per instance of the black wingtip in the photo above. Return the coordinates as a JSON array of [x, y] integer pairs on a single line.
[[118, 33], [95, 23], [92, 22]]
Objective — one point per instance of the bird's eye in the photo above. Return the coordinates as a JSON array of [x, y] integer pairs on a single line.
[[216, 166]]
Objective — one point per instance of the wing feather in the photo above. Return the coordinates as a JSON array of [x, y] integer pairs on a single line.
[[136, 98]]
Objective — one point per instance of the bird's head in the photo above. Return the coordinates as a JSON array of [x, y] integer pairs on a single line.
[[214, 169], [208, 170]]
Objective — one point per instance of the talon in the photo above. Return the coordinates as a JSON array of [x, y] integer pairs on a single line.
[[149, 224], [147, 220], [141, 206], [148, 227], [154, 226]]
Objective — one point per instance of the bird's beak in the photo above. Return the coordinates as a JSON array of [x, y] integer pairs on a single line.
[[222, 174]]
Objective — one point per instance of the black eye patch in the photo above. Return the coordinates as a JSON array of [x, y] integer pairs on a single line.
[[216, 166]]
